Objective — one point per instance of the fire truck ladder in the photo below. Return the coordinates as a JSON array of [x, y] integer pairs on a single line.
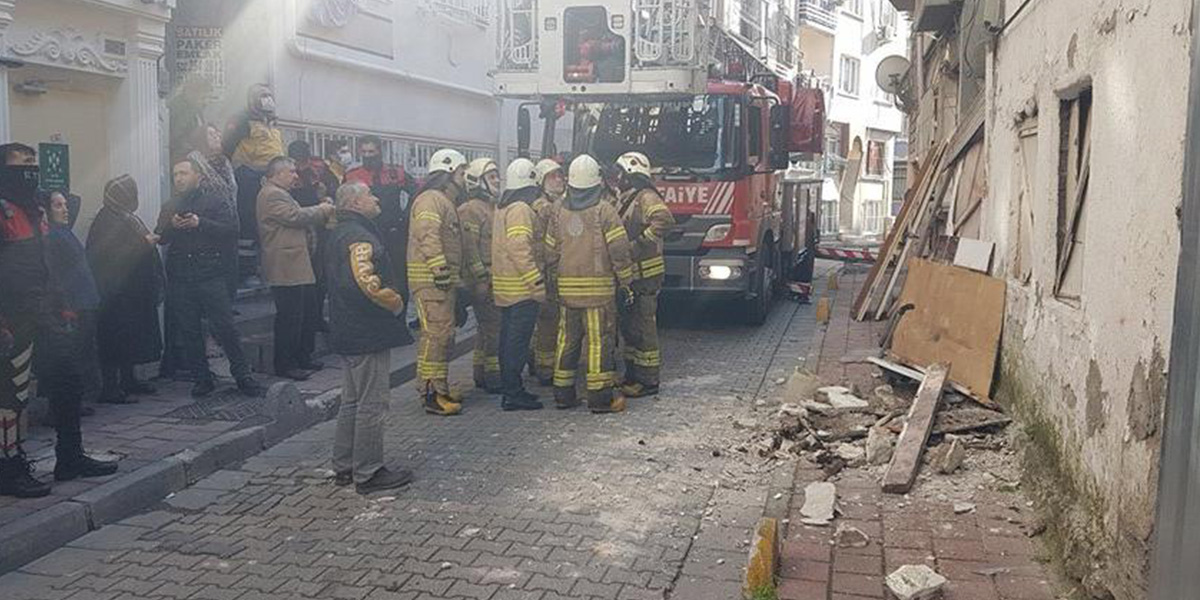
[[663, 31], [519, 47]]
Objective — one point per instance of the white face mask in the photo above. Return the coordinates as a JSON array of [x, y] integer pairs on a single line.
[[267, 104], [345, 158]]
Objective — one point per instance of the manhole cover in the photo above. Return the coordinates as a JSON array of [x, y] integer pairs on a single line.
[[227, 405]]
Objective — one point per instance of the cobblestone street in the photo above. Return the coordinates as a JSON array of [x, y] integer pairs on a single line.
[[651, 503]]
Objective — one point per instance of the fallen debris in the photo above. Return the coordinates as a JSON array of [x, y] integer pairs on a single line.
[[880, 445], [915, 582], [951, 459], [842, 399], [851, 537], [907, 457], [962, 508], [820, 501], [967, 419]]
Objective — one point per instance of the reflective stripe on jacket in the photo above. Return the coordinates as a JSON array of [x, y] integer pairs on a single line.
[[588, 254], [647, 221], [434, 241], [516, 276]]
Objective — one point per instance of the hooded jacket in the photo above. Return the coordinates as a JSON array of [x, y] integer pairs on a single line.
[[256, 135], [517, 274], [587, 250]]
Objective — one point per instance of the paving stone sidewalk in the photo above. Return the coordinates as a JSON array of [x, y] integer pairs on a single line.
[[986, 554], [651, 503]]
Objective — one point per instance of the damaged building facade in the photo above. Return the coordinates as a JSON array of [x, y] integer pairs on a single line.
[[1063, 127]]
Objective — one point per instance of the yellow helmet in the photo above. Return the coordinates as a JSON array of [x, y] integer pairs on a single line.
[[476, 170], [634, 163], [545, 167], [584, 173], [446, 160], [521, 174]]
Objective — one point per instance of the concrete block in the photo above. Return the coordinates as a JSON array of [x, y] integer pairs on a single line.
[[128, 495], [215, 454], [764, 558], [290, 413], [40, 533]]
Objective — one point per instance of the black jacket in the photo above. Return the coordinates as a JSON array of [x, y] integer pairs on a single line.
[[195, 254], [366, 312]]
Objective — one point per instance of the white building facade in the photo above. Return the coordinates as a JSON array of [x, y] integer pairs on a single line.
[[86, 74], [842, 43]]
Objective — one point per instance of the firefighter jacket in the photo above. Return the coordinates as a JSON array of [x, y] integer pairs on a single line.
[[476, 216], [587, 251], [435, 245], [543, 207], [516, 276], [647, 221], [366, 313]]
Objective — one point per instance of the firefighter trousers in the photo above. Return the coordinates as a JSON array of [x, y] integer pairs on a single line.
[[435, 309], [587, 340], [487, 339], [15, 367], [545, 340], [639, 330]]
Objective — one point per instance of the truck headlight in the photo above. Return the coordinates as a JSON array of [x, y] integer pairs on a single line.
[[720, 272], [717, 233]]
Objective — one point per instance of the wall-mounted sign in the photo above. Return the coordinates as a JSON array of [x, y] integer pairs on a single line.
[[54, 161], [199, 54]]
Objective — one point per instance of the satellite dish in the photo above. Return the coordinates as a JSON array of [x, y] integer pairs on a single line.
[[890, 73]]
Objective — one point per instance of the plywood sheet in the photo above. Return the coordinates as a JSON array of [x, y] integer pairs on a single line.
[[974, 254], [956, 319]]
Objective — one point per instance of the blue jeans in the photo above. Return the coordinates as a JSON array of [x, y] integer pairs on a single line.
[[516, 332]]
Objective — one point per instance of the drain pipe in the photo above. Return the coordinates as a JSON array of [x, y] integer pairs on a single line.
[[1176, 550]]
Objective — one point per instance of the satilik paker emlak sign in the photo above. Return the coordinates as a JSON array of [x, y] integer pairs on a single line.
[[54, 160]]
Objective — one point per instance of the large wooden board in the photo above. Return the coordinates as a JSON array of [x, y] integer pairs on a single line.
[[906, 460], [956, 319]]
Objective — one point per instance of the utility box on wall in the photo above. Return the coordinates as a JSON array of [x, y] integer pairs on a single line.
[[935, 15]]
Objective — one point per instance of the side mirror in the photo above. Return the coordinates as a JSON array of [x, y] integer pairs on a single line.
[[780, 136], [524, 130]]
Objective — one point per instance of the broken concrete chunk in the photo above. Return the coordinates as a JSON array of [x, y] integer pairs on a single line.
[[744, 423], [853, 455], [842, 399], [880, 444], [951, 459], [791, 417], [818, 407], [915, 582], [801, 386], [962, 508], [820, 498], [851, 537]]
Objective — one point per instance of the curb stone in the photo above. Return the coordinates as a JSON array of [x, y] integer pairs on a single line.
[[38, 534]]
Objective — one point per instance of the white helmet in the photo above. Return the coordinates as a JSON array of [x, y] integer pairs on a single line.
[[446, 160], [584, 173], [634, 163], [476, 171], [545, 167], [521, 174]]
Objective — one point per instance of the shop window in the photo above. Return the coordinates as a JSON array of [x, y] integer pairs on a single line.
[[592, 53], [1074, 157]]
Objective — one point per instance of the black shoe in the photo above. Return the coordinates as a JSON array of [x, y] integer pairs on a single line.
[[138, 388], [295, 374], [17, 480], [247, 386], [203, 388], [526, 401], [343, 478], [115, 397], [84, 466], [312, 365], [385, 480]]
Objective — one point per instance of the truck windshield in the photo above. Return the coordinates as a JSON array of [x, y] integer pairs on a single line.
[[675, 135]]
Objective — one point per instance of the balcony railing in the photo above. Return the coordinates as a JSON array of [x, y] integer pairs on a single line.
[[821, 14]]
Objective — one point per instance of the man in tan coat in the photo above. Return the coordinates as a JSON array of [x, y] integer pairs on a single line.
[[435, 250], [518, 281], [553, 184], [285, 233], [476, 215], [647, 221], [588, 256]]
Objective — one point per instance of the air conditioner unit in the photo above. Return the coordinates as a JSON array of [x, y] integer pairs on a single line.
[[935, 15]]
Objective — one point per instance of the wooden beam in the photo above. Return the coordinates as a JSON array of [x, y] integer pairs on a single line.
[[906, 461], [1081, 186]]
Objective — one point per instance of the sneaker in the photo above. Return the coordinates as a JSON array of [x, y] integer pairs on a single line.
[[84, 466], [17, 480], [524, 402], [203, 388], [385, 480], [439, 404], [634, 389], [247, 386], [343, 478]]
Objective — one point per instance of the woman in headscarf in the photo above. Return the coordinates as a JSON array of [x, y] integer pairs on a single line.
[[129, 276]]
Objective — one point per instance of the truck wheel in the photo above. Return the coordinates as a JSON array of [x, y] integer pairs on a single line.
[[759, 305]]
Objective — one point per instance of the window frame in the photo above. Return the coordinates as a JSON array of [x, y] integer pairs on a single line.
[[856, 62]]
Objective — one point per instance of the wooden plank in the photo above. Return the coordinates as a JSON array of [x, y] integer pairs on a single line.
[[956, 319], [1068, 249], [906, 460], [917, 374], [897, 232]]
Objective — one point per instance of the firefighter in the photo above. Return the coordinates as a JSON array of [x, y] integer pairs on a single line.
[[588, 256], [647, 221], [476, 215], [518, 281], [434, 271], [553, 183]]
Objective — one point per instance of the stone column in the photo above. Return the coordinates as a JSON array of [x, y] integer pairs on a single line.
[[134, 133], [7, 7]]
